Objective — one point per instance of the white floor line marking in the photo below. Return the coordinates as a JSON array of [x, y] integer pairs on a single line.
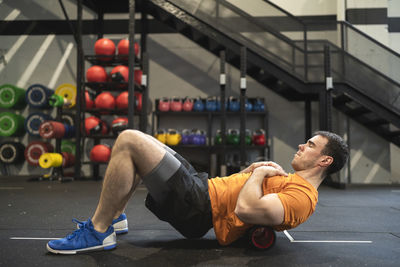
[[330, 241], [323, 241], [11, 188], [395, 191], [34, 238], [288, 236], [60, 66]]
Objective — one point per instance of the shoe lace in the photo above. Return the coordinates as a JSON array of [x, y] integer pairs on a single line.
[[82, 227], [79, 223]]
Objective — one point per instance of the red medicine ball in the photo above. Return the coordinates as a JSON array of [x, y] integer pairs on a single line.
[[138, 76], [105, 100], [123, 47], [96, 74], [100, 153], [88, 99], [122, 100], [120, 74], [104, 47], [92, 125], [119, 124]]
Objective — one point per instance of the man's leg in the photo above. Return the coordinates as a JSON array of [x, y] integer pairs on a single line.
[[134, 155], [138, 178]]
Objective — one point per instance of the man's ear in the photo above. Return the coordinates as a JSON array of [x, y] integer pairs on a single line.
[[326, 161]]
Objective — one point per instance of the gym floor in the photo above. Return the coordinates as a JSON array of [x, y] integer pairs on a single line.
[[352, 227]]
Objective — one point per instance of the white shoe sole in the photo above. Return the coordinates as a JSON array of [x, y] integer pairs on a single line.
[[121, 227], [71, 252]]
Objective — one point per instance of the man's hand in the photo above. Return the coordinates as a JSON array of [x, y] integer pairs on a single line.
[[269, 171], [272, 164], [253, 206]]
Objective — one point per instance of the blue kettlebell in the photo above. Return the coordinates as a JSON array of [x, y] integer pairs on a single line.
[[198, 105], [185, 137], [202, 138], [192, 135], [234, 104], [248, 105], [195, 137], [258, 105], [211, 104]]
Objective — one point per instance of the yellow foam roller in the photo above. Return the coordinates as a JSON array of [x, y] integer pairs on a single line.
[[68, 92], [48, 160]]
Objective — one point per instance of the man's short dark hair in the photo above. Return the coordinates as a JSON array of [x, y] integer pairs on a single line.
[[336, 148]]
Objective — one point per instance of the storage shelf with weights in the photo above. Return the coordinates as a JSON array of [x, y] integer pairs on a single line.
[[22, 143], [61, 130], [209, 117], [105, 108]]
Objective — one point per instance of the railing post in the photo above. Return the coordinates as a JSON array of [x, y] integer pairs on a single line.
[[325, 97], [243, 70], [80, 91], [131, 59], [342, 43], [305, 54]]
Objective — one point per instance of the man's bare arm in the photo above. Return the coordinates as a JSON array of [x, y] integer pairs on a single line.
[[252, 206]]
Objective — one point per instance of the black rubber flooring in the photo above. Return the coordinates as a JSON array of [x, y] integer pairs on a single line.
[[45, 210]]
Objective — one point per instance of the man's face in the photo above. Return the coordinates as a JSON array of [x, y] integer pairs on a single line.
[[309, 155]]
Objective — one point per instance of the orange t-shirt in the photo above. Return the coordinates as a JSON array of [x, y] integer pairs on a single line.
[[298, 198]]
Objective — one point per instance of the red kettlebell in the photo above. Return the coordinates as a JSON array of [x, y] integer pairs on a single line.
[[187, 104], [122, 100], [105, 48], [100, 153], [89, 100], [176, 104], [96, 74], [259, 138], [120, 73], [105, 100], [123, 48], [164, 104], [119, 124]]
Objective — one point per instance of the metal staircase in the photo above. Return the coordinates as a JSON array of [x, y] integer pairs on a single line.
[[292, 65]]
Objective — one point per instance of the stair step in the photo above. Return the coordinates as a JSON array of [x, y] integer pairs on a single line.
[[394, 134], [341, 100], [376, 122], [357, 111]]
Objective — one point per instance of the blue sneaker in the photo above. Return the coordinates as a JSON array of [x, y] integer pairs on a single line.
[[120, 224], [86, 238]]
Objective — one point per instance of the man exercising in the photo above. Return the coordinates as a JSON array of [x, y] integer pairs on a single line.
[[262, 194]]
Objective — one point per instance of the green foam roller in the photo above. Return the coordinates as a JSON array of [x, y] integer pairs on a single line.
[[68, 146], [11, 124], [12, 97]]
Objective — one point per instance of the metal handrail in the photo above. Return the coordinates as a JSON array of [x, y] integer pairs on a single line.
[[286, 12], [292, 42], [370, 38]]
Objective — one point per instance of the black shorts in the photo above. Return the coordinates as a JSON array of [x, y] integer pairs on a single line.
[[187, 205]]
